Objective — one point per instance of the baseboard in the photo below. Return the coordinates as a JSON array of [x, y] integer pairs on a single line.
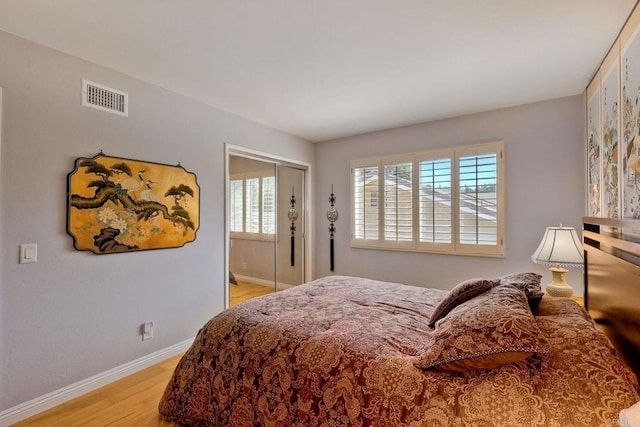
[[262, 282], [49, 400]]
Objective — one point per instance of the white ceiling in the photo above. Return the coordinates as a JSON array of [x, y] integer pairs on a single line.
[[323, 69]]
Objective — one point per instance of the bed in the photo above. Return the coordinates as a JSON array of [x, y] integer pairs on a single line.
[[345, 351]]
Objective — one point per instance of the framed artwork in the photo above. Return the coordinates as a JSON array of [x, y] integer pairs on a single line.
[[609, 95], [123, 205], [630, 62], [594, 155]]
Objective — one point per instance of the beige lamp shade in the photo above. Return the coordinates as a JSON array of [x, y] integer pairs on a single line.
[[559, 248]]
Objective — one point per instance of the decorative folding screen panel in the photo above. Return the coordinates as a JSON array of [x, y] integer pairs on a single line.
[[610, 101], [630, 71], [613, 129], [594, 148]]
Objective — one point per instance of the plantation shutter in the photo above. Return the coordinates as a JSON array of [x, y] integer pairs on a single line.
[[252, 205], [448, 200], [398, 202], [235, 201], [365, 203], [477, 198], [435, 201], [268, 205]]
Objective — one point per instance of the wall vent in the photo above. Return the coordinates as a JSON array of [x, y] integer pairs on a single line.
[[104, 98]]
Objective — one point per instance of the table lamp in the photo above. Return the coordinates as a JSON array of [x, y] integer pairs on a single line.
[[559, 248]]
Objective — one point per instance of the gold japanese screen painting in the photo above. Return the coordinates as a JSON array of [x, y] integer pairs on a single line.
[[123, 205]]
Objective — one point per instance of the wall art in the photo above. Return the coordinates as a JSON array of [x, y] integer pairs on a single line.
[[594, 163], [630, 63], [122, 205], [609, 94]]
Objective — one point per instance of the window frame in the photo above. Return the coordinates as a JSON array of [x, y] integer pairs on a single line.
[[260, 235], [456, 247]]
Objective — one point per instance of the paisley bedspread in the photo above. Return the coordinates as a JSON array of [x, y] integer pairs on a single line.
[[340, 351]]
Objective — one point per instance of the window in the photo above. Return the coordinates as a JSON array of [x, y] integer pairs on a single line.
[[252, 206], [447, 201]]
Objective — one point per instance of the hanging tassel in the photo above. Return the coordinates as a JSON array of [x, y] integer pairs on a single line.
[[331, 253], [332, 216], [293, 216]]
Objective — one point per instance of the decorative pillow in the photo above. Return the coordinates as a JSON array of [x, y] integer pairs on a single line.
[[528, 282], [462, 292], [488, 331]]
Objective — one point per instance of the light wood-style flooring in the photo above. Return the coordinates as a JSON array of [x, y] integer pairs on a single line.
[[131, 401], [246, 290]]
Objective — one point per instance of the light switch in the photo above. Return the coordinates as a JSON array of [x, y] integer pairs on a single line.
[[28, 253]]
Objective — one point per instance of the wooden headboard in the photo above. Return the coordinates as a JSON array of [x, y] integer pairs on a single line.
[[612, 282]]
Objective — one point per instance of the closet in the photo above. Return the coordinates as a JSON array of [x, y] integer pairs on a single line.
[[266, 211]]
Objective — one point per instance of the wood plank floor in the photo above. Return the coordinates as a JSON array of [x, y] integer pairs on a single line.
[[246, 290], [131, 401]]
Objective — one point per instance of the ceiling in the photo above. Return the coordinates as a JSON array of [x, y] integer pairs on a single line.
[[324, 69]]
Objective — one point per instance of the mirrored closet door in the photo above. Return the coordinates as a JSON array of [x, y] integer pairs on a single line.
[[290, 227], [266, 227]]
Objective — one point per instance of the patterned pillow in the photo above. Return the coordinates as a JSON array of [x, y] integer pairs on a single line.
[[488, 331], [528, 282], [462, 292]]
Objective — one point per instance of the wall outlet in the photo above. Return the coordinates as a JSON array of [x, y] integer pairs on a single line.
[[244, 265], [147, 331]]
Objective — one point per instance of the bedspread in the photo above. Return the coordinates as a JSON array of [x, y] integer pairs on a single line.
[[339, 351]]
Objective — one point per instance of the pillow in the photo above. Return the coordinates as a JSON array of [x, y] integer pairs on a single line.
[[528, 282], [486, 332], [462, 292]]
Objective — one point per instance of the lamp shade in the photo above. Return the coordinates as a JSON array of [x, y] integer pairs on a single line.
[[560, 247]]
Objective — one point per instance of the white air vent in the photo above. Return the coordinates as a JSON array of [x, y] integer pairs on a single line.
[[104, 98]]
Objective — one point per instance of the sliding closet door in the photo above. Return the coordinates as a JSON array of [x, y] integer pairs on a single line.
[[252, 226], [266, 229], [290, 227]]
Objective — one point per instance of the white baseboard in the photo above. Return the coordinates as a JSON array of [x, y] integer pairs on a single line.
[[263, 282], [49, 400]]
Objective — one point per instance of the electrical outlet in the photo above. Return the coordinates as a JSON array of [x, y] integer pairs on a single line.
[[244, 265], [147, 331]]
